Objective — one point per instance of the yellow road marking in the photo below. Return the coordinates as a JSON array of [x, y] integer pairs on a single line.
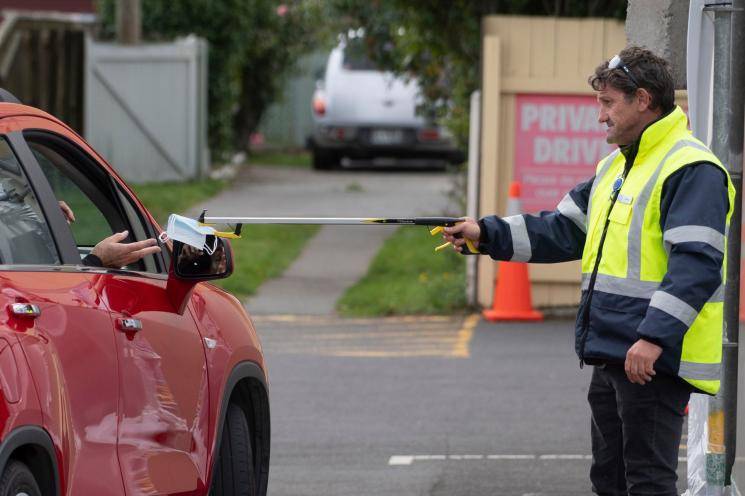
[[435, 352], [395, 337], [462, 345], [444, 334], [325, 319]]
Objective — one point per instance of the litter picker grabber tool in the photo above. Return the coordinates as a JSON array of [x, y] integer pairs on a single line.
[[435, 223]]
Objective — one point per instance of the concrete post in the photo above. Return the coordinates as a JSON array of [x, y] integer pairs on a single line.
[[661, 26]]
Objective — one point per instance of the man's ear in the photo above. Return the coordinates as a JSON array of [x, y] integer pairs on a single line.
[[643, 99]]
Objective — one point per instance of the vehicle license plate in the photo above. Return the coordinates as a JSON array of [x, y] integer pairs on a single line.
[[386, 136]]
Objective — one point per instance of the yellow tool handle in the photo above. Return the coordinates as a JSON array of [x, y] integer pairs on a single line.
[[437, 230], [229, 235]]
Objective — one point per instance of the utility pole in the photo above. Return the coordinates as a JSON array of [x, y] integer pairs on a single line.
[[729, 148], [128, 22], [727, 144]]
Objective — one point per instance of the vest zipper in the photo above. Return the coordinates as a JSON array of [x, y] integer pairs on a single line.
[[593, 276]]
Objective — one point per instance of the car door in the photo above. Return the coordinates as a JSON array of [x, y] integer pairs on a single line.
[[56, 313], [163, 400]]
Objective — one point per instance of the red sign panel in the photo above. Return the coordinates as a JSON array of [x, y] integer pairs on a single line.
[[558, 143]]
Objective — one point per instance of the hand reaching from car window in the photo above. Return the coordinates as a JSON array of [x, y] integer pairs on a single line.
[[114, 254], [67, 212]]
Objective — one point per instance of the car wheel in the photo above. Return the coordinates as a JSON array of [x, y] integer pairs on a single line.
[[234, 473], [18, 480], [325, 159]]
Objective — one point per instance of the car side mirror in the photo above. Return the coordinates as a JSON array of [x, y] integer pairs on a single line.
[[191, 265], [199, 265]]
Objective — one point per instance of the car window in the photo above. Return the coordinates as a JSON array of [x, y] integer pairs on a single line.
[[143, 230], [355, 57], [98, 206], [24, 233], [90, 225]]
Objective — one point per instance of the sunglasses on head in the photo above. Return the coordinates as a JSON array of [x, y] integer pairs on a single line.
[[617, 63]]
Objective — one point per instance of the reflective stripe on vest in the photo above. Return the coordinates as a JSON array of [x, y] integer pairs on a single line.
[[674, 306], [700, 371], [599, 175], [694, 234], [569, 209], [522, 252], [635, 289], [621, 286]]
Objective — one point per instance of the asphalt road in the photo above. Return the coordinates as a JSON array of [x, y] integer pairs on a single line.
[[425, 406]]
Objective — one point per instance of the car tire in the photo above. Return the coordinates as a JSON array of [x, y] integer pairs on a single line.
[[17, 480], [234, 472], [324, 159]]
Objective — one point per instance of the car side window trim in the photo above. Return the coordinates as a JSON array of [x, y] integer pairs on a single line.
[[141, 228], [58, 228]]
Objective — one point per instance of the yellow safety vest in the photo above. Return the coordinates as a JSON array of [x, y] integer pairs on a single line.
[[634, 257]]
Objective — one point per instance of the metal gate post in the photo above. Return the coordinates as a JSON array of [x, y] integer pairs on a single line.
[[727, 144]]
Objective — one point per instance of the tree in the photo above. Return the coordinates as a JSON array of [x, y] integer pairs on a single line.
[[439, 43], [253, 44], [294, 30]]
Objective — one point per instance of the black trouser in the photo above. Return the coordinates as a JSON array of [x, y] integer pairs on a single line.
[[635, 432]]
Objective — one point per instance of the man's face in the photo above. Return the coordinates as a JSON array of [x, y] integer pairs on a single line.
[[622, 116]]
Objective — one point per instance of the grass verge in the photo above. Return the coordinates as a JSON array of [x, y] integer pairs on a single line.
[[407, 277], [263, 251], [290, 159]]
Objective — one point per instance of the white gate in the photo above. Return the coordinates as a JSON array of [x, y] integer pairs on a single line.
[[146, 108]]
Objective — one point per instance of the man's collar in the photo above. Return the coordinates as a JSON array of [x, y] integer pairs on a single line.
[[652, 133]]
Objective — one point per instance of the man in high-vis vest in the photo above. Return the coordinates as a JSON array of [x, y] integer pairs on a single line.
[[650, 228]]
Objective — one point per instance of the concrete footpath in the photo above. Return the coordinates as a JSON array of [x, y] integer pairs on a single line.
[[338, 256]]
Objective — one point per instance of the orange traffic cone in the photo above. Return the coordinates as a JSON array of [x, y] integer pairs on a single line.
[[512, 299]]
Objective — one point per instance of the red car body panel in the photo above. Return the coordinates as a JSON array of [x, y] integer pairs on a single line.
[[19, 402], [232, 346], [71, 353], [164, 399], [130, 413]]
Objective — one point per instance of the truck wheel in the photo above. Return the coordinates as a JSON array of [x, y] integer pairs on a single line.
[[234, 472], [18, 480], [324, 159]]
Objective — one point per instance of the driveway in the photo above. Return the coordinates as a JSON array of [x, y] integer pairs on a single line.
[[338, 256]]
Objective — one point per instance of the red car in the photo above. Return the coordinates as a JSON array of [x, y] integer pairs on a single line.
[[134, 381]]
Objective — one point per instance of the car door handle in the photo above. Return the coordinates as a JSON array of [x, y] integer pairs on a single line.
[[128, 324], [24, 310]]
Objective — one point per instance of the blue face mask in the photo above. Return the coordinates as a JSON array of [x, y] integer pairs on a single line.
[[190, 232]]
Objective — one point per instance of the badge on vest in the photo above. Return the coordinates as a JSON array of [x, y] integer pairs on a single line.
[[625, 199], [617, 183]]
